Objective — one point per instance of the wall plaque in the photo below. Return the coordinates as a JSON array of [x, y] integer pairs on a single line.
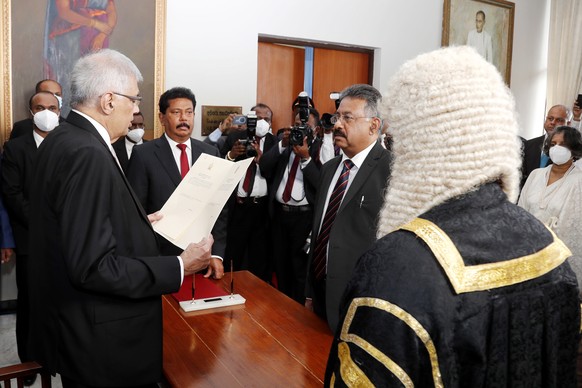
[[213, 115]]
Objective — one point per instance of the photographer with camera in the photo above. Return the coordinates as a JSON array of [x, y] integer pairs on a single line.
[[218, 137], [323, 147], [248, 209], [293, 174]]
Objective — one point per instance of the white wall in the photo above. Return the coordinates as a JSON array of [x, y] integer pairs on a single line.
[[529, 66], [211, 46]]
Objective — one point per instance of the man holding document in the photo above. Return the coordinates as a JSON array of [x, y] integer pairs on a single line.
[[157, 167], [95, 274]]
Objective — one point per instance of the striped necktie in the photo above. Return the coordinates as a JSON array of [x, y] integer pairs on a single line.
[[320, 251]]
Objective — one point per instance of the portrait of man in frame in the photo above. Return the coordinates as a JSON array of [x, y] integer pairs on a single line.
[[487, 25]]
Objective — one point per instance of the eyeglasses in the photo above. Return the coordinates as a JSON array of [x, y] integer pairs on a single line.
[[135, 99], [558, 120], [346, 119]]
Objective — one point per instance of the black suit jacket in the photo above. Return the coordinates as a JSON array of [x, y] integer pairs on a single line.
[[273, 165], [354, 228], [95, 277], [121, 152], [218, 144], [154, 175], [532, 156], [21, 127], [17, 167]]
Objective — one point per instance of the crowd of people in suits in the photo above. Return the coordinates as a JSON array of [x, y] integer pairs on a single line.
[[300, 218]]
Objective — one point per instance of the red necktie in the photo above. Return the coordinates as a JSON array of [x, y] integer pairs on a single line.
[[184, 165], [290, 180], [249, 181], [247, 187], [320, 250]]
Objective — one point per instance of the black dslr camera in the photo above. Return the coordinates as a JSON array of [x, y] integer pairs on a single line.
[[300, 132], [326, 117], [250, 152]]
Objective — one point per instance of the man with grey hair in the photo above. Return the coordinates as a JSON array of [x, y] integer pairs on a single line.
[[463, 287], [348, 200], [95, 274]]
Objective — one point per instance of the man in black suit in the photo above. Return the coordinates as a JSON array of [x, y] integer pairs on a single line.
[[25, 126], [247, 239], [19, 156], [95, 274], [155, 168], [293, 174], [123, 147], [533, 156], [344, 225]]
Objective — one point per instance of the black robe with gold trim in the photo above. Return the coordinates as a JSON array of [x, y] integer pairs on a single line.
[[474, 293]]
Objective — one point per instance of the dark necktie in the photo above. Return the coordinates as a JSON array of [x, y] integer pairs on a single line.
[[184, 165], [320, 251], [249, 181], [290, 180]]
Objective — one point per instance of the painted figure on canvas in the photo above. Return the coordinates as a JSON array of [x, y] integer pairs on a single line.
[[481, 39], [72, 29]]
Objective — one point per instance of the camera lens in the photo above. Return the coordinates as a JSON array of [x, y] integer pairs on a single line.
[[326, 121], [296, 136], [251, 151]]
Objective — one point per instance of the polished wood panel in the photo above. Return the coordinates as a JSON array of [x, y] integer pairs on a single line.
[[21, 371], [269, 341], [279, 80], [333, 70]]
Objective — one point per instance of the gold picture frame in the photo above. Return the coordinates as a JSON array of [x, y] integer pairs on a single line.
[[132, 31], [459, 23]]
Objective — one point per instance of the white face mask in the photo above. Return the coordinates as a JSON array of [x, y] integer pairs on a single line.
[[60, 101], [560, 154], [136, 134], [46, 120], [262, 128]]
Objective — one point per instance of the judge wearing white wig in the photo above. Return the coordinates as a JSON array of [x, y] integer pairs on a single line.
[[463, 287]]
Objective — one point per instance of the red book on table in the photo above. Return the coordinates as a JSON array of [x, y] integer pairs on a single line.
[[205, 288]]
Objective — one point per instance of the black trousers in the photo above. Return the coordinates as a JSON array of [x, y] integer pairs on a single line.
[[22, 308], [248, 243], [290, 231]]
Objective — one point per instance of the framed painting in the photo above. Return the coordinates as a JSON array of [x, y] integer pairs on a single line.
[[43, 39], [487, 25]]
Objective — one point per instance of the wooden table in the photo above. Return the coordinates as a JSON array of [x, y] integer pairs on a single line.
[[269, 341]]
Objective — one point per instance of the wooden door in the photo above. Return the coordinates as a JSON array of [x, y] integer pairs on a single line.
[[281, 76], [333, 70], [280, 79]]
